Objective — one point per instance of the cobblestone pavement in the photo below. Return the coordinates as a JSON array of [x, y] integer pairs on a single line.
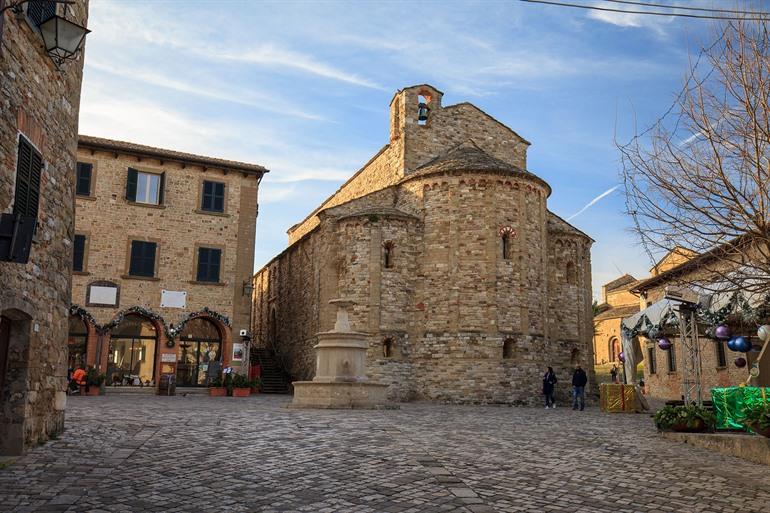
[[201, 454]]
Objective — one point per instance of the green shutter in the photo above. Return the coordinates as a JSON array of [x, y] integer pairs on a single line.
[[162, 188], [133, 177]]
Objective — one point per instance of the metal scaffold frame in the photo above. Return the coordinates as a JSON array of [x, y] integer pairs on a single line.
[[691, 362]]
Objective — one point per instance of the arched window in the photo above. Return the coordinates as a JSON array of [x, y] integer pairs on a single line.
[[614, 349], [422, 109], [387, 348], [574, 357], [509, 345], [133, 344], [199, 353], [571, 274], [76, 343], [506, 241], [387, 254]]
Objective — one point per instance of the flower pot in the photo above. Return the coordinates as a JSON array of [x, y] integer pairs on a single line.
[[254, 390], [93, 390], [82, 389], [241, 392], [756, 429], [697, 427], [217, 391]]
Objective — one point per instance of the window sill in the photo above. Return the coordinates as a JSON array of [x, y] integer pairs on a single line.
[[146, 205], [211, 213], [208, 283], [81, 273], [144, 278], [86, 198]]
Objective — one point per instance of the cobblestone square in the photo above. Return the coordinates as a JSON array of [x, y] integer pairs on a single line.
[[147, 453]]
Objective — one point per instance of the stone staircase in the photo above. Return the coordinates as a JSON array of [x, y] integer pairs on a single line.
[[274, 379]]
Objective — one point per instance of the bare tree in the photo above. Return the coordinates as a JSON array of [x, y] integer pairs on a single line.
[[699, 178]]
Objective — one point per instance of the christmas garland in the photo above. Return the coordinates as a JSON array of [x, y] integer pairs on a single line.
[[206, 312]]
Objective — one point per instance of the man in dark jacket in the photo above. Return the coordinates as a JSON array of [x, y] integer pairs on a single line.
[[579, 381]]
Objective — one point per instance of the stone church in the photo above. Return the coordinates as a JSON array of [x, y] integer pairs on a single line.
[[466, 284]]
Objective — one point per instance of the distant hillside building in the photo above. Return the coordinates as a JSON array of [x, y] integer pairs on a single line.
[[617, 303], [467, 286], [163, 259]]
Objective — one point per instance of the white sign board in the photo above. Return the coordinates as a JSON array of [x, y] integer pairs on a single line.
[[103, 295], [168, 357], [173, 299]]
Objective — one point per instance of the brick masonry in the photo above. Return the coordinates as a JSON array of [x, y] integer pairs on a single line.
[[41, 104], [438, 195]]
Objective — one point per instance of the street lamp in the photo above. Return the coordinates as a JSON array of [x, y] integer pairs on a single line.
[[62, 38]]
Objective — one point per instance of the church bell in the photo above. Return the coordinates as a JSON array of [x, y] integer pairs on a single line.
[[422, 112]]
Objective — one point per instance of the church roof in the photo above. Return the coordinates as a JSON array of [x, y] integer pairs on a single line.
[[558, 225], [468, 156], [617, 283], [617, 312]]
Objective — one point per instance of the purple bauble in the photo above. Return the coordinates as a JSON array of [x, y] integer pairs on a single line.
[[722, 332], [664, 343], [740, 362], [742, 344], [622, 357], [731, 344]]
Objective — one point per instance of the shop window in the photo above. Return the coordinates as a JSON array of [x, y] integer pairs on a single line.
[[209, 260], [144, 187], [213, 197], [79, 253], [199, 353], [387, 254], [387, 348], [142, 258], [652, 365], [29, 165], [133, 345], [84, 177], [719, 346], [77, 343], [671, 358], [509, 346]]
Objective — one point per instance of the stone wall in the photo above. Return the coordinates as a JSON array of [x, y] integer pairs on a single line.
[[41, 104]]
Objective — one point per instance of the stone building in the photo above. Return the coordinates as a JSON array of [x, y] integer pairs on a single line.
[[464, 281], [38, 138], [163, 259], [663, 368], [617, 303]]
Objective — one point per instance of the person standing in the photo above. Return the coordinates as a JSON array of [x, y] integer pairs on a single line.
[[549, 384], [614, 374], [579, 381]]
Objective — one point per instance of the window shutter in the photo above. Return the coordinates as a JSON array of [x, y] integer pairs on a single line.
[[162, 188], [219, 197], [215, 256], [78, 253], [149, 255], [207, 196], [133, 176], [203, 261], [39, 11], [83, 186], [28, 168]]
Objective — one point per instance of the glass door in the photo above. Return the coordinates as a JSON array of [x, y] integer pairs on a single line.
[[194, 360]]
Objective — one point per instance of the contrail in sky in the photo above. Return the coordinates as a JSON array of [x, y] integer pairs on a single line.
[[592, 202]]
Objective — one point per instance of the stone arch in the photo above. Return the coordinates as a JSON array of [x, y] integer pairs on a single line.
[[613, 349], [15, 327], [388, 250]]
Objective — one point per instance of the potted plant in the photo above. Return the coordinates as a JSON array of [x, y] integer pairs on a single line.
[[94, 381], [687, 419], [758, 419], [241, 386], [217, 388], [256, 385]]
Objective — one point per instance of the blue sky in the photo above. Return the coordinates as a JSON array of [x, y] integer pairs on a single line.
[[303, 89]]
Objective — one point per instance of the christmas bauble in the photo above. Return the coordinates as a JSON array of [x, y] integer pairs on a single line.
[[764, 333], [622, 357], [731, 344], [664, 344], [740, 362], [742, 344], [722, 332]]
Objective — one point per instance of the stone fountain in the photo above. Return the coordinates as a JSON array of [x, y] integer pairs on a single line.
[[340, 378]]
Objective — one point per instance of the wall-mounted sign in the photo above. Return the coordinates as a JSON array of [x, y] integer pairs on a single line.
[[237, 352], [168, 357], [102, 293], [173, 299]]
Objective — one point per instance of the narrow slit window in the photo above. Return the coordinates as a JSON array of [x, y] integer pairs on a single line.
[[387, 254]]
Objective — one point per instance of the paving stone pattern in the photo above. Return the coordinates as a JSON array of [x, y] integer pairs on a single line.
[[200, 454]]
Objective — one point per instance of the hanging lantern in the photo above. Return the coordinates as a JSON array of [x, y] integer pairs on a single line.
[[664, 344], [722, 332], [622, 357], [63, 39], [422, 112], [740, 362], [764, 333]]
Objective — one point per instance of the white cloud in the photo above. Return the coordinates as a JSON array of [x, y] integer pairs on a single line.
[[593, 202], [632, 20]]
